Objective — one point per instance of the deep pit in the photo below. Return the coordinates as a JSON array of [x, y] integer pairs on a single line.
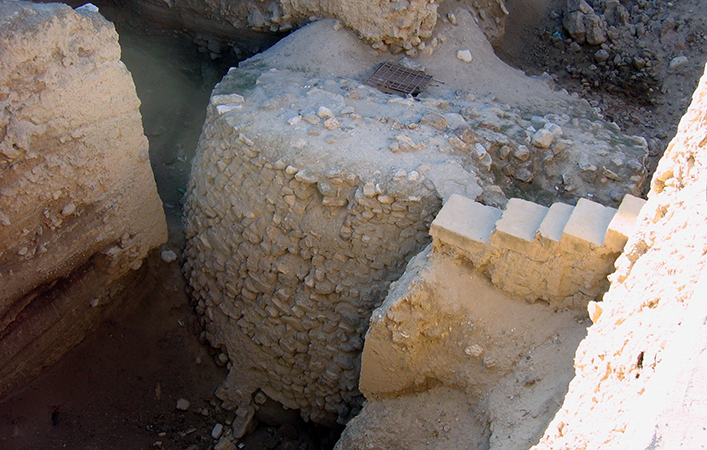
[[315, 215]]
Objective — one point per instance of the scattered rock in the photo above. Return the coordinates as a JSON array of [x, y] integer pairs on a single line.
[[678, 62], [243, 422], [183, 404], [410, 64], [331, 124], [579, 5], [601, 55], [474, 350], [325, 113], [553, 128], [506, 150], [69, 209], [522, 153], [561, 146], [311, 119], [574, 24], [543, 138], [168, 256], [595, 29], [434, 120], [260, 398], [464, 55], [466, 134], [523, 175], [216, 431], [225, 444], [482, 156]]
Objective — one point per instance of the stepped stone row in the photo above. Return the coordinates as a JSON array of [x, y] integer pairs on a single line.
[[560, 255]]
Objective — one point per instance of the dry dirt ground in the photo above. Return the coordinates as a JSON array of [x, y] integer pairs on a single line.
[[119, 388]]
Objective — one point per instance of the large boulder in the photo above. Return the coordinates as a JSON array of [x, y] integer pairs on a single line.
[[79, 209]]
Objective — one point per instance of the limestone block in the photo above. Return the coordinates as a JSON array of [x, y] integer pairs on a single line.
[[465, 223], [78, 193], [623, 222], [518, 226], [554, 222], [586, 227]]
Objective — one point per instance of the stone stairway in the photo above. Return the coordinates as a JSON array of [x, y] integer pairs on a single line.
[[560, 255]]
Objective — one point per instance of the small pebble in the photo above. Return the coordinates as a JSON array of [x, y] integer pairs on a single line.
[[168, 256], [217, 430], [183, 404], [325, 113], [464, 55]]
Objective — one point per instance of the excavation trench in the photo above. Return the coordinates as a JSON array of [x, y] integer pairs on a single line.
[[119, 387], [294, 232]]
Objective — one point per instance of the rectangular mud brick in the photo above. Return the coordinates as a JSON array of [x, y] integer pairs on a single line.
[[623, 222], [518, 225], [554, 222], [465, 224], [586, 227]]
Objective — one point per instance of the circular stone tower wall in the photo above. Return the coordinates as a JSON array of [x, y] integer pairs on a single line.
[[299, 215]]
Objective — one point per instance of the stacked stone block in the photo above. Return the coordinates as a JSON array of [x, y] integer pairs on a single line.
[[560, 255]]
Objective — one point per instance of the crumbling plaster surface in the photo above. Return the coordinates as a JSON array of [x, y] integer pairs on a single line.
[[78, 203], [640, 371]]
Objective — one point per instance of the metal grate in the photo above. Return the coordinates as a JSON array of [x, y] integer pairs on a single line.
[[396, 79]]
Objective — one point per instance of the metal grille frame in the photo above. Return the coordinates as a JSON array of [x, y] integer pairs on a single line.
[[393, 78]]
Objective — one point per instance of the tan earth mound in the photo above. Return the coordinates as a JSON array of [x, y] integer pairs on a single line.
[[79, 209]]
